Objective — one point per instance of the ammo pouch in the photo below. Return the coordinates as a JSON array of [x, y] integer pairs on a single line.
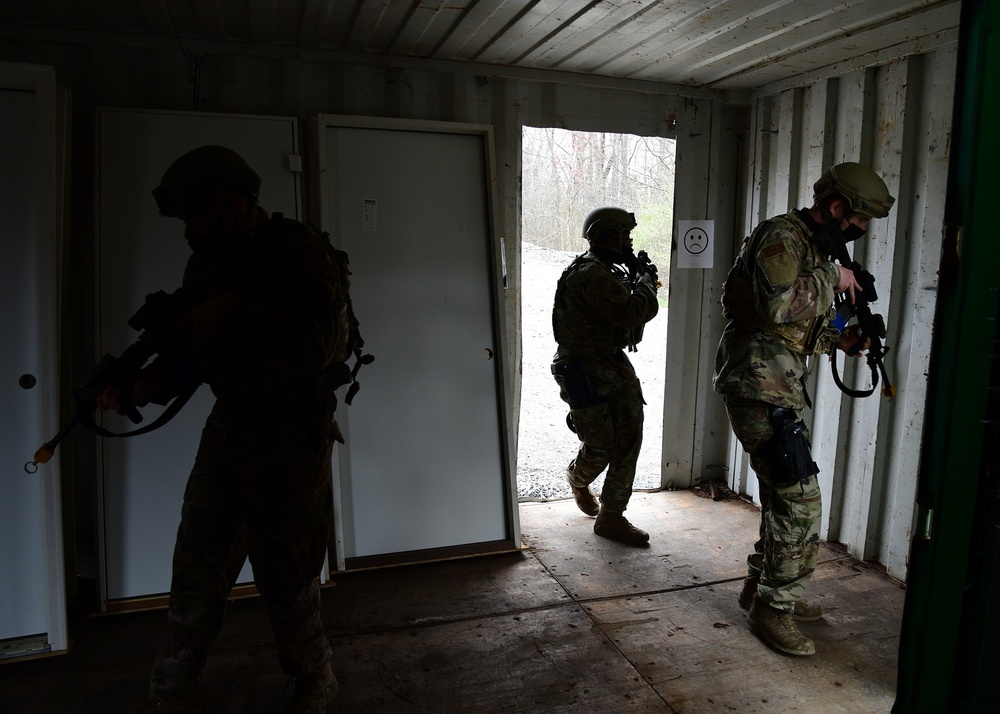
[[788, 452], [578, 384], [336, 376]]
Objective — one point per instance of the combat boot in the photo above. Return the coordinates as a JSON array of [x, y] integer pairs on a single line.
[[616, 527], [313, 692], [586, 500], [777, 628], [749, 590], [803, 611]]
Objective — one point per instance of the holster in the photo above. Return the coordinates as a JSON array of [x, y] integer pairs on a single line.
[[787, 452], [578, 384]]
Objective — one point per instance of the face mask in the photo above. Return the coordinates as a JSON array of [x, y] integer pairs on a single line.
[[829, 234], [852, 232], [208, 244], [616, 247], [215, 242]]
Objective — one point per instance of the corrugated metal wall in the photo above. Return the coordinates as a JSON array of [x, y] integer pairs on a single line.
[[735, 165], [895, 118], [159, 77]]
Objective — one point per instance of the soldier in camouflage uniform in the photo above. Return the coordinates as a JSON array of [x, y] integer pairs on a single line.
[[778, 300], [599, 310], [270, 338]]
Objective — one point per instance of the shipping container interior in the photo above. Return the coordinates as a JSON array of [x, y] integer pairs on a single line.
[[760, 98]]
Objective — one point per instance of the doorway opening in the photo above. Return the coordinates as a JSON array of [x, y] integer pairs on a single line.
[[564, 175]]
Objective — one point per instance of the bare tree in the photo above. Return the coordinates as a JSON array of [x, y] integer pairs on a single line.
[[566, 174]]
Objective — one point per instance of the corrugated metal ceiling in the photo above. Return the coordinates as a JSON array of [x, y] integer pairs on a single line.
[[723, 44]]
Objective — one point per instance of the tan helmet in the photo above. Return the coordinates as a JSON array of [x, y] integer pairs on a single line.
[[617, 219], [864, 189], [200, 176]]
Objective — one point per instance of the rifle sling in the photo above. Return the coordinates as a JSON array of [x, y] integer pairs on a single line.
[[169, 413], [857, 394]]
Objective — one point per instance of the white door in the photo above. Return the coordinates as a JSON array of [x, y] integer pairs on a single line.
[[426, 466], [142, 252], [32, 586]]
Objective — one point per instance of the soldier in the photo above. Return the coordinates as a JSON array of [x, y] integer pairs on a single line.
[[599, 310], [778, 300], [270, 339]]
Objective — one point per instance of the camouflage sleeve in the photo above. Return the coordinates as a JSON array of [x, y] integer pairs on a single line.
[[614, 302], [785, 288], [175, 368]]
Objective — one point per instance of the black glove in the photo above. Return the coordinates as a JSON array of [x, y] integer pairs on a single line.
[[644, 266]]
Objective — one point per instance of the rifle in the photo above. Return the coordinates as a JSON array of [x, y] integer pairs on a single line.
[[155, 320], [640, 264], [871, 326]]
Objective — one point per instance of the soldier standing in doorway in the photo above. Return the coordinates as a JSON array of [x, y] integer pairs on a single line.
[[270, 338], [600, 309], [778, 298]]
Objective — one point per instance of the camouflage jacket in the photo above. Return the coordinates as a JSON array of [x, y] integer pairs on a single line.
[[274, 322], [597, 312], [778, 300]]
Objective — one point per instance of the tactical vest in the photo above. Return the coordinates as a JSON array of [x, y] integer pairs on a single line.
[[739, 301], [348, 328], [578, 328]]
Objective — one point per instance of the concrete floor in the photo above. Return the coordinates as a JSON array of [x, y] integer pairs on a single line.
[[571, 623]]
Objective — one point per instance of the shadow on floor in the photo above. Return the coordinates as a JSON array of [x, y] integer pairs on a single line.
[[571, 623]]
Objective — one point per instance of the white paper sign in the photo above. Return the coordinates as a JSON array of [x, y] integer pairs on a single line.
[[369, 214], [695, 244]]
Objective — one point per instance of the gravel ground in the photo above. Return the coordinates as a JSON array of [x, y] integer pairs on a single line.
[[545, 444]]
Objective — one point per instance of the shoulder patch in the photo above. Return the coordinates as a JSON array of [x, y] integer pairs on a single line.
[[773, 250], [778, 259]]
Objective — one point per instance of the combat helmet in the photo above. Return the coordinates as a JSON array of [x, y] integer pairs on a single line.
[[198, 177], [864, 190], [607, 217]]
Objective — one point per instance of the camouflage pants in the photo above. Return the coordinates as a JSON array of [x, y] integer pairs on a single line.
[[261, 490], [787, 547], [610, 431]]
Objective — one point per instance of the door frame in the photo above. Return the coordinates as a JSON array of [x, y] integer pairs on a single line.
[[52, 108], [319, 212]]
